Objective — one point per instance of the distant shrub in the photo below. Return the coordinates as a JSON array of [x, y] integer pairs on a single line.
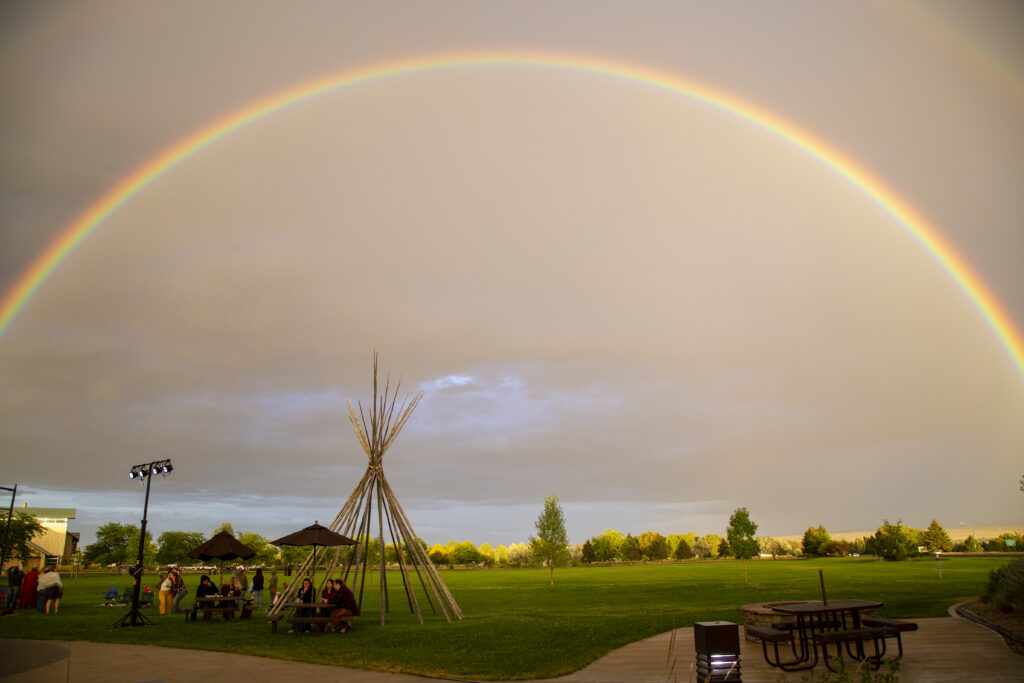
[[1005, 587]]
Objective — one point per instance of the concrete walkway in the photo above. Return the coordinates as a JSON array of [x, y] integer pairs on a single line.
[[943, 650]]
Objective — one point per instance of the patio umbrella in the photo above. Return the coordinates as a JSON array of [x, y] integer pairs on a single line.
[[314, 535], [223, 546]]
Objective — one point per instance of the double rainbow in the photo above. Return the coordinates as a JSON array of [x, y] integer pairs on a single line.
[[906, 216]]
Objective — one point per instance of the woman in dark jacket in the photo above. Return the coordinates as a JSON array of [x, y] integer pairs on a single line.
[[306, 594], [257, 588], [206, 589]]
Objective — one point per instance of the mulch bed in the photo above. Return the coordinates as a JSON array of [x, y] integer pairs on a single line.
[[1012, 622]]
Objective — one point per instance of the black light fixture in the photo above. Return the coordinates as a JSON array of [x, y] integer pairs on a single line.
[[140, 472], [718, 651]]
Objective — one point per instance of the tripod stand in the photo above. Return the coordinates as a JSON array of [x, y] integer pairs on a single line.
[[134, 616]]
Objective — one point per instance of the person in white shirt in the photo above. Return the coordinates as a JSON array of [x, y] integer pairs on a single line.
[[51, 589], [165, 594]]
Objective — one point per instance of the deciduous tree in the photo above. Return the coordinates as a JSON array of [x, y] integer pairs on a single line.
[[893, 541], [607, 546], [114, 544], [653, 545], [816, 541], [22, 529], [740, 533], [466, 553], [552, 541], [173, 546]]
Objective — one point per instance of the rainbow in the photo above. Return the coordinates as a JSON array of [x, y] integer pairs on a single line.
[[148, 173]]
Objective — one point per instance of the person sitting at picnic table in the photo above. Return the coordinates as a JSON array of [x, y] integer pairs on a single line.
[[327, 598], [230, 589], [206, 589], [305, 594], [344, 606]]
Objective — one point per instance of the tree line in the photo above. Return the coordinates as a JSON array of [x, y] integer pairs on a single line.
[[899, 542], [119, 543]]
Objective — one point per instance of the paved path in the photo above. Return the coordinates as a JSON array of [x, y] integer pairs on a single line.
[[943, 650]]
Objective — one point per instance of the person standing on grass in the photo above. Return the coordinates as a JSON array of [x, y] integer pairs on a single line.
[[165, 593], [14, 578], [178, 589], [29, 588], [243, 581], [272, 586], [50, 589], [257, 588]]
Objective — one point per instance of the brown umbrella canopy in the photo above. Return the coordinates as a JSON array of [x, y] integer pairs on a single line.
[[223, 546], [314, 535]]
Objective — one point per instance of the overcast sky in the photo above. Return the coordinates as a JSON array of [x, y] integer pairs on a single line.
[[616, 293]]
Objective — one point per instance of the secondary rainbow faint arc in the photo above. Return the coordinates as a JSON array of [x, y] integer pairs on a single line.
[[925, 234]]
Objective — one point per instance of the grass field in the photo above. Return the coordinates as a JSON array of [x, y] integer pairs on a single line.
[[518, 627]]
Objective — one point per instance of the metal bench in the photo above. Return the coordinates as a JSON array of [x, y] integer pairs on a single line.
[[856, 637], [775, 636]]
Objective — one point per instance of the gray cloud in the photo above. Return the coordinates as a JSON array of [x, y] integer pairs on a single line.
[[617, 294]]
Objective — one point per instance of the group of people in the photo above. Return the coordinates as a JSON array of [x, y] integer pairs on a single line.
[[338, 602], [172, 591], [44, 591], [32, 589], [238, 586]]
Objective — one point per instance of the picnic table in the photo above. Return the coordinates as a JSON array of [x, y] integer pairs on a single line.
[[835, 623], [299, 621], [227, 605]]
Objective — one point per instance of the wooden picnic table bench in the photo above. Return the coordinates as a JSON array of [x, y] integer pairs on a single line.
[[212, 604], [298, 621]]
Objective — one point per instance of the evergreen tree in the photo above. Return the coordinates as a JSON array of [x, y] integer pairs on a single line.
[[631, 549], [683, 551], [588, 554], [552, 542], [936, 538]]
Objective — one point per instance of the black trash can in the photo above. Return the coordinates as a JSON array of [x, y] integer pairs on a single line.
[[718, 651]]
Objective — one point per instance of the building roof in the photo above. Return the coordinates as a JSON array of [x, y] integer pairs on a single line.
[[68, 513]]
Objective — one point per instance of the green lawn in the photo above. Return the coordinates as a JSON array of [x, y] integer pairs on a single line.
[[516, 625]]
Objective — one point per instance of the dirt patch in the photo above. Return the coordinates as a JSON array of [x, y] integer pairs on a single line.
[[1009, 621]]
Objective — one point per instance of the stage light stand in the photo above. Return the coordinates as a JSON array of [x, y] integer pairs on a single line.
[[147, 472]]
